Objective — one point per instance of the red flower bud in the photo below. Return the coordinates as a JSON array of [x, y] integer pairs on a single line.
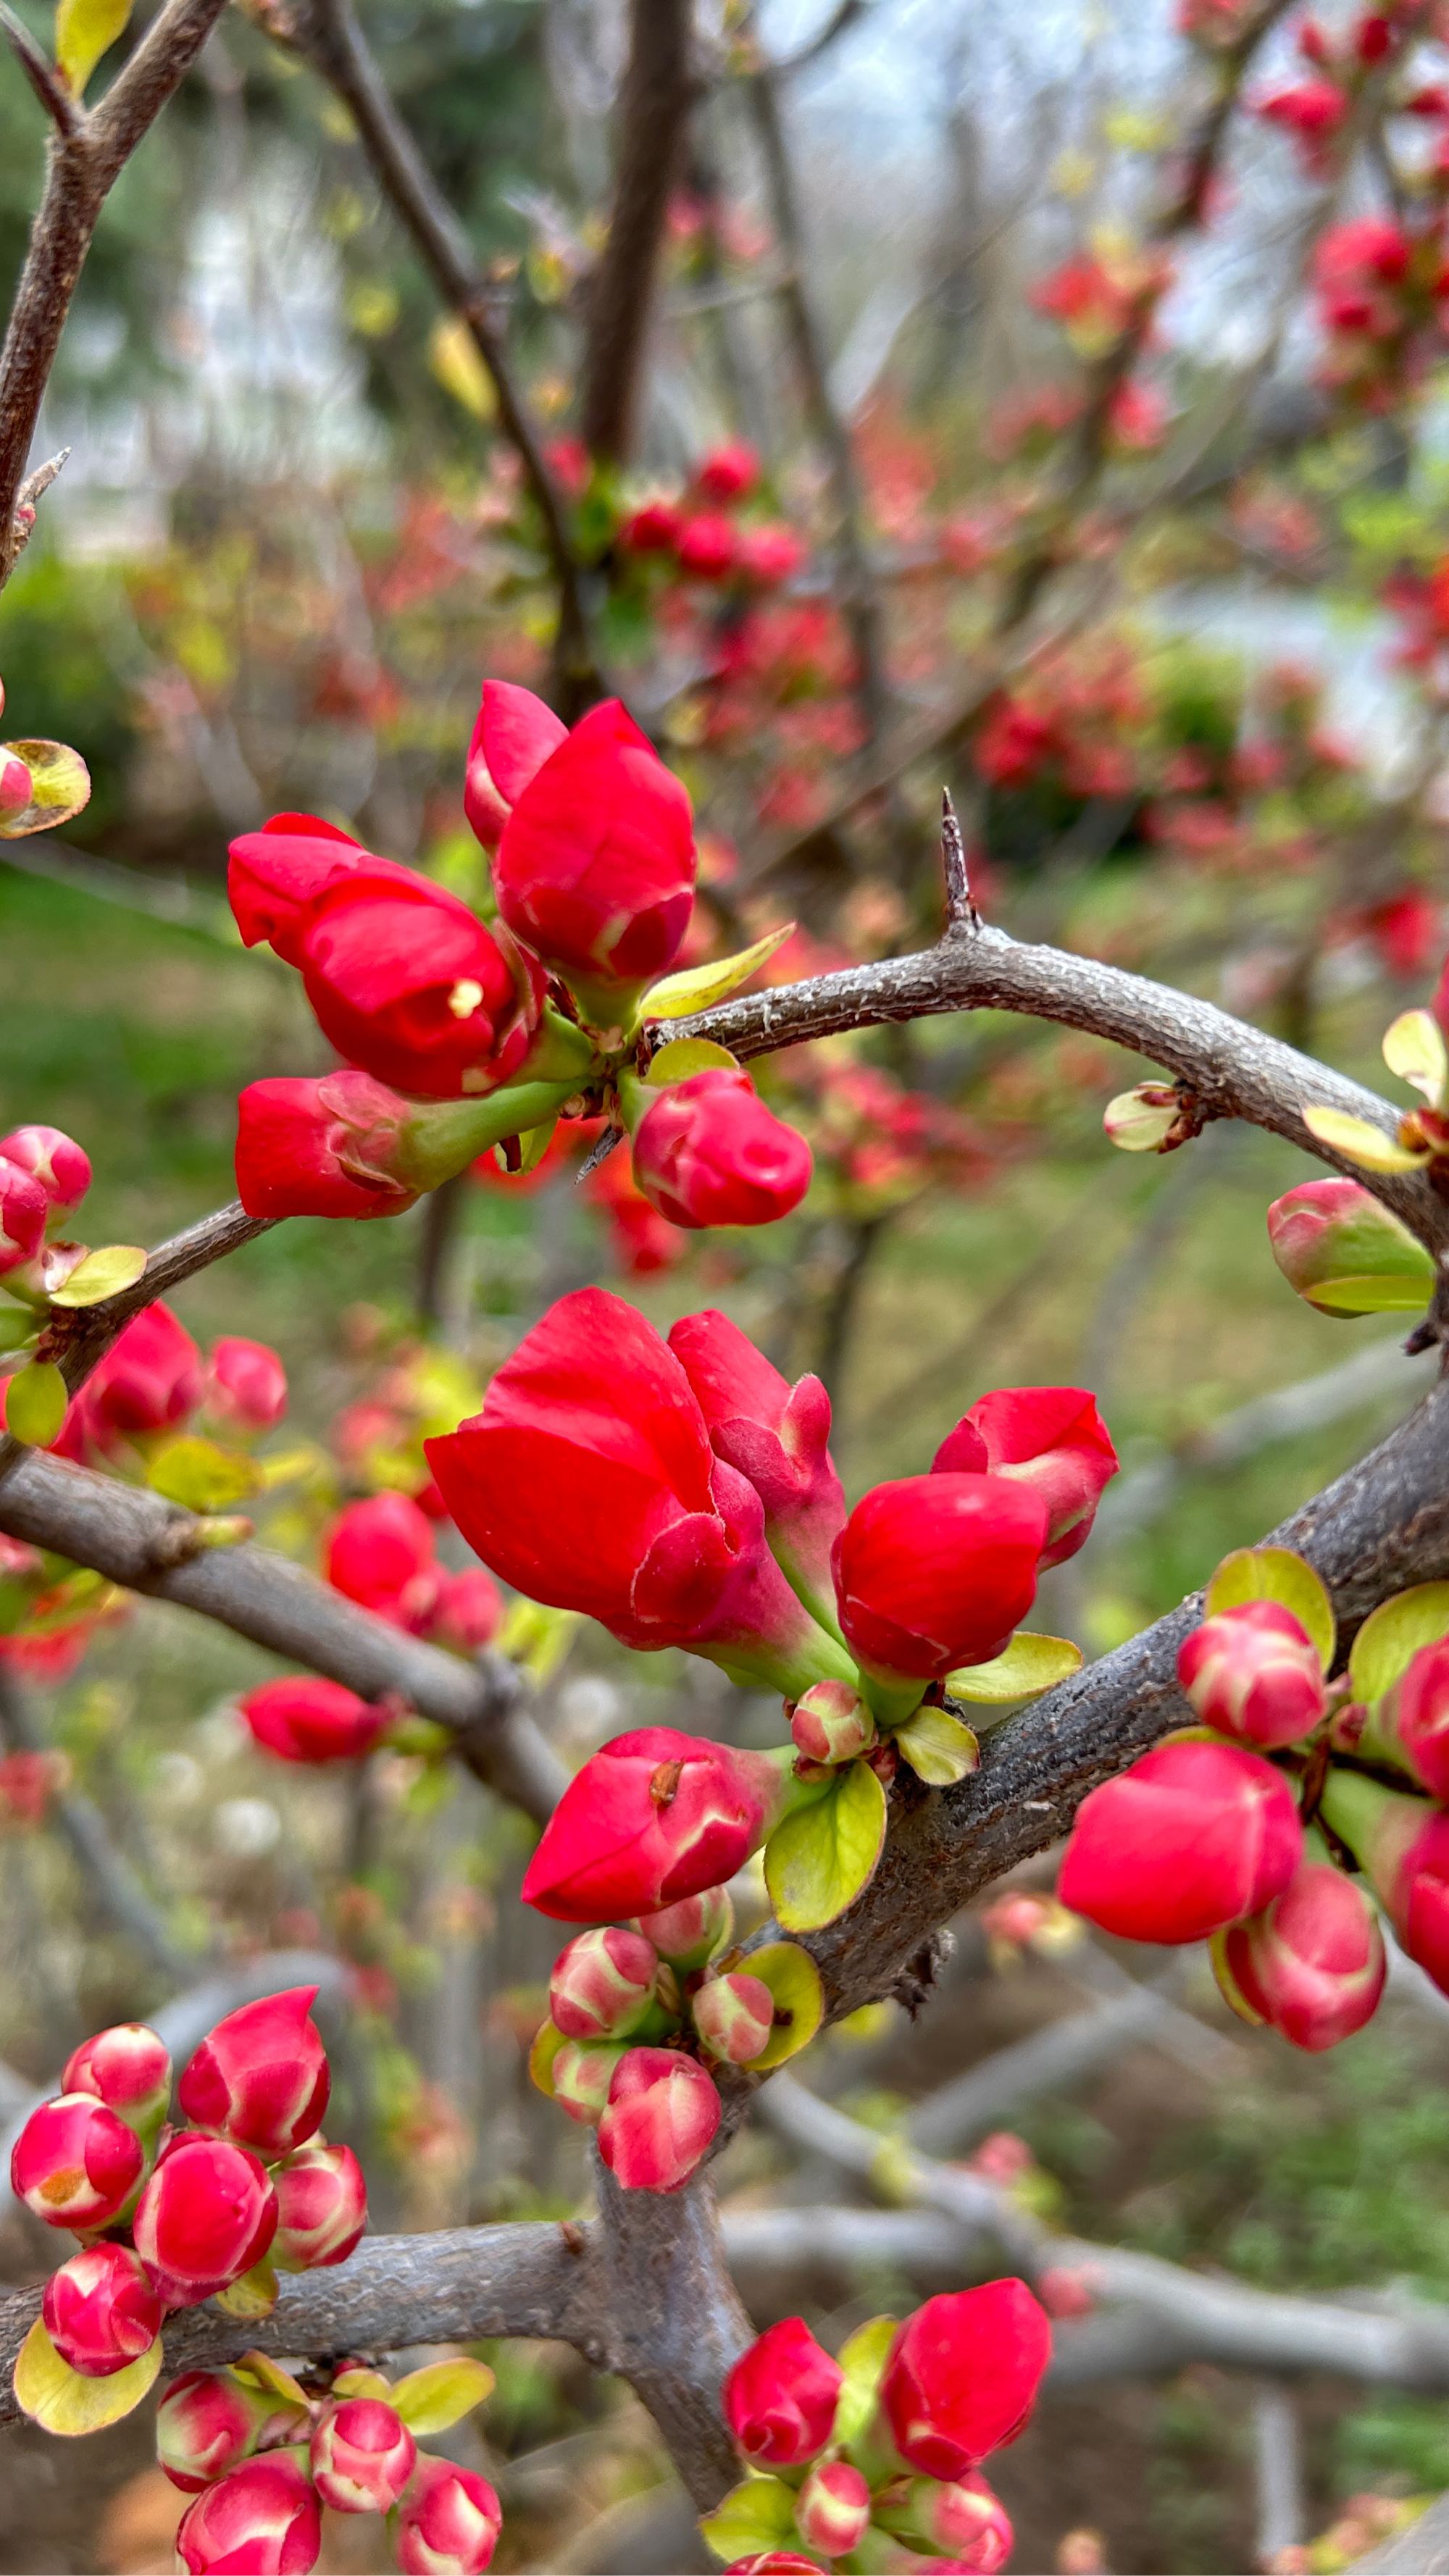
[[588, 1481], [514, 735], [1050, 1437], [245, 1384], [1189, 1839], [689, 1933], [1331, 1239], [24, 1208], [469, 1611], [832, 2509], [261, 2076], [707, 546], [581, 2074], [306, 1719], [276, 874], [1413, 1717], [661, 2117], [774, 1434], [780, 2396], [653, 529], [149, 1380], [62, 1167], [75, 2164], [728, 473], [261, 2520], [206, 2216], [380, 1554], [653, 1816], [414, 988], [963, 2517], [1403, 1846], [362, 2456], [321, 2207], [777, 2562], [963, 2375], [831, 1723], [447, 2524], [734, 2016], [1254, 1672], [603, 1984], [321, 1148], [209, 2420], [128, 2068], [596, 865], [932, 1572], [710, 1153], [769, 555], [1312, 1963], [100, 2310]]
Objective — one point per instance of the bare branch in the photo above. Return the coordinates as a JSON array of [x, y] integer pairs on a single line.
[[1422, 2550], [658, 90], [848, 14], [1278, 2466], [675, 2322], [59, 103]]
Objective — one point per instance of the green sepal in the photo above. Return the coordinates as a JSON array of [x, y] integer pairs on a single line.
[[863, 2359], [442, 1137], [821, 1858]]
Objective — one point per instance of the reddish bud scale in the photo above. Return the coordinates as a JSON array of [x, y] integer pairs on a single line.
[[603, 1984], [659, 2122], [963, 2375], [260, 2520], [361, 2456], [1189, 1839], [709, 1152], [261, 2076], [75, 2164], [1254, 1673], [100, 2310], [321, 2207], [780, 2396], [206, 2216], [447, 2524]]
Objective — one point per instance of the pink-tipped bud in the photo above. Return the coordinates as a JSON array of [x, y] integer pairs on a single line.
[[75, 2164], [129, 2069], [1343, 1252], [262, 2520], [734, 2016], [780, 2397], [831, 1723], [963, 2375], [245, 1384], [1312, 1963], [688, 1934], [832, 2509], [321, 2207], [362, 2456], [962, 2519], [1255, 1673], [447, 2524], [1189, 1839], [261, 2076], [24, 1208], [17, 788], [100, 2310], [62, 1167], [206, 2216], [209, 2420], [1414, 1716], [659, 2122], [603, 1984], [581, 2075]]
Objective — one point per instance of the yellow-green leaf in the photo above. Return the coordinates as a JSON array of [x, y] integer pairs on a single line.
[[61, 2401], [454, 358], [1414, 1050], [939, 1749], [1140, 1121], [1391, 1636], [35, 1401], [757, 2516], [60, 788], [535, 1637], [18, 1325], [270, 2374], [201, 1475], [533, 1144], [103, 1273], [84, 30], [863, 2358], [430, 2400], [819, 1859], [254, 2295], [548, 2040], [1276, 1574], [684, 1056], [362, 2383], [1023, 1670], [794, 1981], [696, 988], [1388, 1292], [1367, 1146]]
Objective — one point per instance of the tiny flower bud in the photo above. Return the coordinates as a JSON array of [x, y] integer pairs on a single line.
[[734, 2016], [303, 1718], [962, 2517], [689, 1933], [261, 2076], [261, 2520], [780, 2396], [661, 2116], [1342, 1250], [1255, 1673], [603, 1984], [832, 1723], [100, 2310], [206, 2216], [447, 2524], [75, 2164], [209, 2420], [17, 788], [1139, 1121], [1413, 1717], [129, 2069], [832, 2509], [245, 1384], [321, 2207], [709, 1152], [362, 2456], [62, 1167], [581, 2075]]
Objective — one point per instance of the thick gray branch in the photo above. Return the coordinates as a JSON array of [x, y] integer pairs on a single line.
[[654, 103]]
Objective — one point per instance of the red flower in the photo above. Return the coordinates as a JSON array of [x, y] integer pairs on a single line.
[[411, 986], [61, 1167], [306, 1719], [1312, 1963], [932, 1572], [447, 2524], [1189, 1839], [707, 546], [780, 2396], [728, 473], [1255, 1673], [512, 738], [963, 2375], [306, 1147], [380, 1554], [769, 555], [653, 1817], [75, 2164], [276, 874], [361, 2456], [245, 1384], [709, 1152], [206, 2216], [652, 529], [149, 1380], [596, 865], [261, 2520], [261, 2076], [659, 2121], [128, 2068], [100, 2311], [774, 1434], [321, 2207], [1051, 1438]]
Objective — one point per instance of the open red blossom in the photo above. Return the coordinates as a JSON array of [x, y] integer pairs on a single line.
[[206, 2216], [275, 874], [653, 1817], [588, 1481], [596, 866], [262, 2519], [514, 735], [933, 1572], [963, 2375], [261, 2076], [709, 1152], [75, 2163], [321, 1147], [1312, 1963], [775, 1434], [1051, 1438], [447, 2524], [659, 2121], [416, 990], [1189, 1839], [62, 1167], [306, 1719], [379, 1553], [780, 2396], [245, 1384], [100, 2310]]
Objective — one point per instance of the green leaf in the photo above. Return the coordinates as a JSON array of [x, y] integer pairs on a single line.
[[1362, 1143], [863, 2360], [430, 2400], [84, 30], [270, 2374], [684, 1056], [821, 1857], [1024, 1669], [103, 1273], [548, 2040], [1391, 1636], [695, 988], [17, 1327], [35, 1403], [1276, 1574], [794, 1981], [60, 788], [362, 2383], [939, 1749], [1140, 1121], [755, 2517], [201, 1475], [1388, 1292], [254, 2295], [61, 2401], [1414, 1050]]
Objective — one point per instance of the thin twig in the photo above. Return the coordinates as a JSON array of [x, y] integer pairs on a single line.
[[847, 15], [658, 90], [59, 103]]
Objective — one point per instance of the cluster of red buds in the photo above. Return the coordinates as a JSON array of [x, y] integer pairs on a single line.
[[170, 2215], [875, 2458], [461, 1035], [701, 536], [260, 2456]]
